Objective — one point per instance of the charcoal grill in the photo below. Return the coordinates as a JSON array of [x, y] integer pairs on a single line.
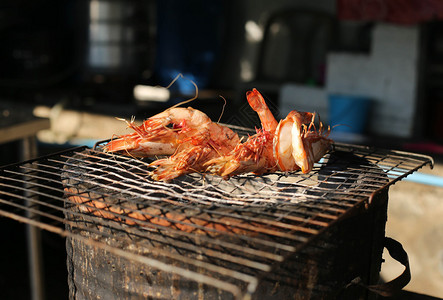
[[277, 236]]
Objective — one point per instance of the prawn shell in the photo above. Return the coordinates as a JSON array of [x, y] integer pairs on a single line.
[[289, 147], [138, 147], [296, 146], [283, 145]]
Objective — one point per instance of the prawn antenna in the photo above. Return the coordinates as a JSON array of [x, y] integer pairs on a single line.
[[223, 108], [336, 125], [180, 75]]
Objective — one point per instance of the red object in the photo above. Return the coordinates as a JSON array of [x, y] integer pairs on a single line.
[[406, 12], [424, 147]]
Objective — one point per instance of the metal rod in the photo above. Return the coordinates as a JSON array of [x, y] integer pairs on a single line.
[[33, 234]]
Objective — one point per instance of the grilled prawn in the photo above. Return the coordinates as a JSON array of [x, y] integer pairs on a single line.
[[293, 143], [160, 134], [196, 144], [187, 135]]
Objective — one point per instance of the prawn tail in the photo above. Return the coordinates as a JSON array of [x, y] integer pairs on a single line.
[[165, 170], [258, 104], [256, 100], [224, 166]]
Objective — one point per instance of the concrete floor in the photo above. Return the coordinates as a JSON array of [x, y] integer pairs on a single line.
[[415, 219]]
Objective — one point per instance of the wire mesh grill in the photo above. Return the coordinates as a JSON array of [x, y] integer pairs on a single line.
[[224, 233]]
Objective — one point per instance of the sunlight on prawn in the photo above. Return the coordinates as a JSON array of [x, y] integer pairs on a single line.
[[186, 135], [126, 144], [193, 143], [288, 145]]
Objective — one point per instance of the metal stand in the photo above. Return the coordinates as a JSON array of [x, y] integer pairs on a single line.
[[33, 233], [20, 124]]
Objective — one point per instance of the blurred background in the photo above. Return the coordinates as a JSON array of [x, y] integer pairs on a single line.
[[372, 68]]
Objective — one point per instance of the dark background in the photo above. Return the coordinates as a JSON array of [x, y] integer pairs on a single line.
[[53, 50]]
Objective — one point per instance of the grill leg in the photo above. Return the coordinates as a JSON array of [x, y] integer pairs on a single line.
[[29, 151]]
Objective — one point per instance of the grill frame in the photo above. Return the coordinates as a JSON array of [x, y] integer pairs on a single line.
[[396, 166]]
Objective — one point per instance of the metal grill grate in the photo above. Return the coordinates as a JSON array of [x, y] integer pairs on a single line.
[[228, 234]]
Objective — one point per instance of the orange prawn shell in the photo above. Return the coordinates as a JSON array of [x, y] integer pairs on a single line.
[[281, 156], [297, 143], [154, 137]]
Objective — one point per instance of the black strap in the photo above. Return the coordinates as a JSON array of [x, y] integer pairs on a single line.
[[394, 286]]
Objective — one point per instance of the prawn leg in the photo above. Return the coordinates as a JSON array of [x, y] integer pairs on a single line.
[[184, 162]]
